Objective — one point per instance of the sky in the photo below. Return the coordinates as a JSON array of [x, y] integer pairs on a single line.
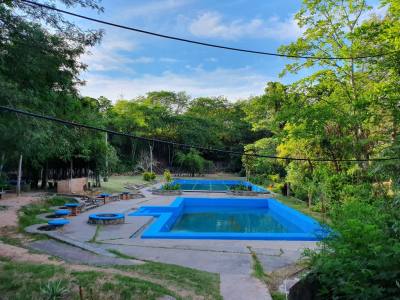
[[128, 64]]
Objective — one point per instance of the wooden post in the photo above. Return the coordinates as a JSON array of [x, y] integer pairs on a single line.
[[19, 175], [106, 175]]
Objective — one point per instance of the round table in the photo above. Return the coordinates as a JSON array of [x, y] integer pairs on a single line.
[[62, 212], [58, 222], [74, 208]]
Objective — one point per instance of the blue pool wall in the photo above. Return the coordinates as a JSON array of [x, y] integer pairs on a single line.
[[310, 230], [255, 188]]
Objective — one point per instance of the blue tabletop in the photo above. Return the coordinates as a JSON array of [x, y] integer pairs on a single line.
[[71, 204], [104, 195], [58, 222], [62, 212]]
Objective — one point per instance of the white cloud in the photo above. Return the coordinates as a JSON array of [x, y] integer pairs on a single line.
[[232, 83], [211, 24], [109, 55]]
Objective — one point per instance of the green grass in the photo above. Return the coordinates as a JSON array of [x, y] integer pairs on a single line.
[[278, 296], [22, 281], [10, 240], [200, 282], [301, 206], [116, 184], [28, 214], [96, 234], [258, 269]]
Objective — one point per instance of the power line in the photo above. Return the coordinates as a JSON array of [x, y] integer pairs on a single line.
[[202, 43], [182, 145]]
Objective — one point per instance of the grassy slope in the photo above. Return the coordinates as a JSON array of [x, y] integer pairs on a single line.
[[301, 206], [28, 214], [26, 281], [116, 184]]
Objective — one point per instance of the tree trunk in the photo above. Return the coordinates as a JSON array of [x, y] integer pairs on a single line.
[[309, 203], [288, 189], [2, 162], [45, 176], [151, 158], [19, 175]]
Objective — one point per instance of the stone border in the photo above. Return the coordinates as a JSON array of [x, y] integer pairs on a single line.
[[167, 192], [247, 193]]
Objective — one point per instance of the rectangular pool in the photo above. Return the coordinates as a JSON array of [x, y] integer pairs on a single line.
[[225, 218], [192, 185]]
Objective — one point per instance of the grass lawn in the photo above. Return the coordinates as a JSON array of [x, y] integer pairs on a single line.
[[116, 184], [302, 206], [42, 281]]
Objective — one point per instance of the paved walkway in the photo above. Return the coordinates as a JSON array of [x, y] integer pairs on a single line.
[[230, 258]]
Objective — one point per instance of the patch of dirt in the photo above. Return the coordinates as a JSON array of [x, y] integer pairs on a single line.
[[21, 254], [276, 278], [9, 216]]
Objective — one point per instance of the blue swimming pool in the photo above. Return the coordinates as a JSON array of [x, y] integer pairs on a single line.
[[191, 185], [225, 218]]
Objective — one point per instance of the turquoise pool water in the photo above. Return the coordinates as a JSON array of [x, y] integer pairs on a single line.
[[214, 185], [230, 219]]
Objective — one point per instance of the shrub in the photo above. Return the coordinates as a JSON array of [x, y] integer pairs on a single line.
[[149, 176], [192, 162], [171, 187], [240, 187], [54, 290], [362, 260], [167, 176]]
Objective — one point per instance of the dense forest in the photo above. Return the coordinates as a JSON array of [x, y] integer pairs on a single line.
[[347, 112]]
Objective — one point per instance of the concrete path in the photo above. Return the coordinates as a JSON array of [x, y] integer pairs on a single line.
[[78, 256]]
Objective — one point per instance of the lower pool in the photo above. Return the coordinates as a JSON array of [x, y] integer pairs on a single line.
[[226, 218]]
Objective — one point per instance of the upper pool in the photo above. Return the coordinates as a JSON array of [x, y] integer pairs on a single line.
[[225, 218], [208, 185]]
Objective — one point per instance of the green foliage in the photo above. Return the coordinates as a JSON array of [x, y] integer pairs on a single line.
[[167, 176], [361, 260], [192, 162], [54, 290], [171, 187], [240, 187], [149, 176]]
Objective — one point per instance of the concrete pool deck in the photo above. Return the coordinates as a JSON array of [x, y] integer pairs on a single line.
[[230, 258]]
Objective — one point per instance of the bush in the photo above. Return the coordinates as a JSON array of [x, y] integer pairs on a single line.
[[240, 187], [362, 260], [171, 187], [193, 162], [149, 176], [167, 176]]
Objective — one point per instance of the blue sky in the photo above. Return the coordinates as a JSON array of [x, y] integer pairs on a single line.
[[130, 64]]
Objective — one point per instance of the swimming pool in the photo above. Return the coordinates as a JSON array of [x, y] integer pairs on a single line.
[[226, 218], [204, 185]]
